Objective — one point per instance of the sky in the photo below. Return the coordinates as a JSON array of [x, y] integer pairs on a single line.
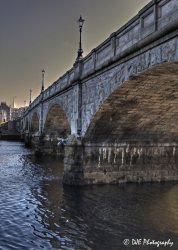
[[37, 34]]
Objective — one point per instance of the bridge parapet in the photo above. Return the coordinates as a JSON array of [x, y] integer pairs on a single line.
[[152, 18]]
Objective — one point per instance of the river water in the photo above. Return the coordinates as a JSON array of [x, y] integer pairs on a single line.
[[37, 212]]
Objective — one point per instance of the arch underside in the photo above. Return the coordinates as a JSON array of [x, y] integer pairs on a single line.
[[26, 124], [35, 123], [56, 122], [142, 108]]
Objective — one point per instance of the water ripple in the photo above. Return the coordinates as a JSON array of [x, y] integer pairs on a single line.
[[38, 213]]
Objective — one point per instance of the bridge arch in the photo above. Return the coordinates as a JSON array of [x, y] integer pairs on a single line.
[[22, 125], [35, 122], [56, 123], [26, 124], [142, 108]]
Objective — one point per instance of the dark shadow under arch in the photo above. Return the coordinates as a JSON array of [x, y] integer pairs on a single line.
[[35, 123], [26, 124], [56, 122]]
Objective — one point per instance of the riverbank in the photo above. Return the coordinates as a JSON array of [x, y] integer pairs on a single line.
[[9, 135]]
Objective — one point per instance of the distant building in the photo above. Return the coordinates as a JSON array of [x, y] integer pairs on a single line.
[[17, 113], [4, 112]]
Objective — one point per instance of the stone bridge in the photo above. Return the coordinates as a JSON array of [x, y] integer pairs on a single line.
[[117, 108]]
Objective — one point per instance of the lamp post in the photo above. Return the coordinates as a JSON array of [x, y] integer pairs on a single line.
[[80, 50], [42, 90], [30, 97], [42, 87]]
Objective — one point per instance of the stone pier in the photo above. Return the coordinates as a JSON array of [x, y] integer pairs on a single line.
[[120, 163]]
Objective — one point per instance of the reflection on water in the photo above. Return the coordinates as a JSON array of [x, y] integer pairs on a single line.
[[164, 212], [37, 212]]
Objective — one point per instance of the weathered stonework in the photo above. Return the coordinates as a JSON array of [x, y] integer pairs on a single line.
[[120, 163], [73, 162], [102, 86]]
